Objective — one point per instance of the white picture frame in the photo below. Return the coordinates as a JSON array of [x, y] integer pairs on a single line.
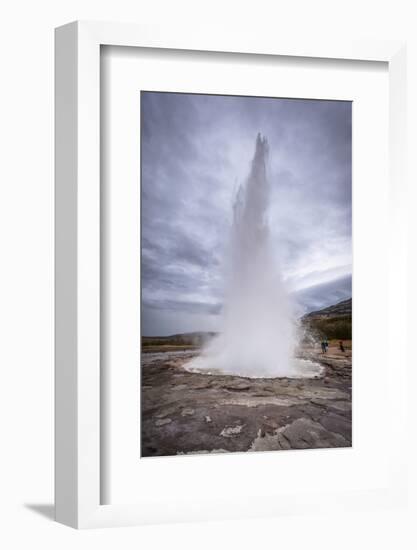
[[77, 243]]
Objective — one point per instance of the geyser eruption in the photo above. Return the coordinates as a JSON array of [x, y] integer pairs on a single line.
[[258, 333]]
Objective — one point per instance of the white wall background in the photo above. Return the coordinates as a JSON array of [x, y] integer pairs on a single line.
[[26, 272]]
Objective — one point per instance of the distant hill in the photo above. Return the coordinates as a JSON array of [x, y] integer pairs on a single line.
[[192, 336], [341, 308], [333, 322], [186, 339]]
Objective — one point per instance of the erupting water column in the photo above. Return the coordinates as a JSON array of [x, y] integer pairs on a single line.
[[257, 337]]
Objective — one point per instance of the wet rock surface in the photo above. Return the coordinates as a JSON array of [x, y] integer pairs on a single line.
[[192, 413]]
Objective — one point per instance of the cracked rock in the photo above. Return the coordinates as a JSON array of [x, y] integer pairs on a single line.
[[187, 412], [231, 431], [306, 434], [163, 421]]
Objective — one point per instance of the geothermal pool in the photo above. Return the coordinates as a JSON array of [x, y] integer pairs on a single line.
[[191, 361], [297, 368]]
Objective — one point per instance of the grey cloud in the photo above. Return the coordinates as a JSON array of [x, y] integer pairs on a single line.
[[323, 295]]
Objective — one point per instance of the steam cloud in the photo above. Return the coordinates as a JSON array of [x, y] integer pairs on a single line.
[[258, 333]]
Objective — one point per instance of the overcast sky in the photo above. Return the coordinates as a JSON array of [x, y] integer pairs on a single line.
[[196, 150]]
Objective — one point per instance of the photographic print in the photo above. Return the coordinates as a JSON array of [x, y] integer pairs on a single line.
[[246, 274]]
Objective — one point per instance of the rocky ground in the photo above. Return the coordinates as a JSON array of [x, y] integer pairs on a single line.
[[184, 412]]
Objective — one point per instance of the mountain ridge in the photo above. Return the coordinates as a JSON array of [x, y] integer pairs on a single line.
[[332, 322], [336, 310]]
